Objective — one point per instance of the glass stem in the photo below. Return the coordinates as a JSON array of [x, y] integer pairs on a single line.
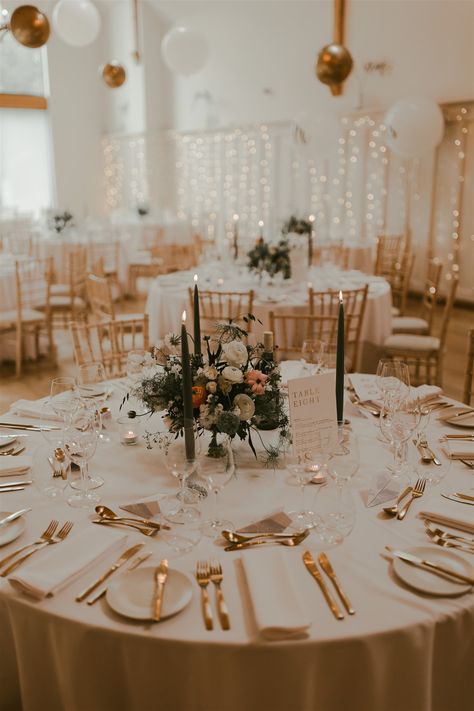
[[216, 505], [83, 466], [303, 497], [397, 455]]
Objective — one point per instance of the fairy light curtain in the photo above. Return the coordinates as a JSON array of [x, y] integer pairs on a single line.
[[261, 173]]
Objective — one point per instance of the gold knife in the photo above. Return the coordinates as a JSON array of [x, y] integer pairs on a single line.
[[464, 496], [313, 570], [328, 569], [430, 565], [123, 559], [161, 574]]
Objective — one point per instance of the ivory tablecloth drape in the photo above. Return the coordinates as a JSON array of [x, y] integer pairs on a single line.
[[168, 297], [401, 650]]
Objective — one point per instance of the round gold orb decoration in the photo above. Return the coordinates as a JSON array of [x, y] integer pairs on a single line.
[[29, 26], [334, 66], [114, 74]]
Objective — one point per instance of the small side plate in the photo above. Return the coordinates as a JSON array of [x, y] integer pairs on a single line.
[[428, 582], [10, 531]]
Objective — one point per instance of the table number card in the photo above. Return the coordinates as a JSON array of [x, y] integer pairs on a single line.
[[365, 386], [312, 405]]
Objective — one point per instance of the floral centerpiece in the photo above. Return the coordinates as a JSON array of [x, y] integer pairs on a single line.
[[236, 391], [297, 225], [271, 258], [61, 220]]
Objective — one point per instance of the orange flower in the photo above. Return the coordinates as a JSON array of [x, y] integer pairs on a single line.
[[199, 395], [256, 379]]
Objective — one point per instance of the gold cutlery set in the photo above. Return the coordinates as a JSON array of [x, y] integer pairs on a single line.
[[211, 572], [415, 492], [110, 518], [449, 540], [240, 541], [431, 566], [326, 566], [48, 537], [14, 485], [123, 558]]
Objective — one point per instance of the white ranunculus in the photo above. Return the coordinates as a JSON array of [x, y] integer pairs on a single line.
[[235, 353], [210, 371], [245, 405], [233, 375]]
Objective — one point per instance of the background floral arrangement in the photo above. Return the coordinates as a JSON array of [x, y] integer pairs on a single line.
[[271, 258], [298, 225], [235, 392], [61, 220]]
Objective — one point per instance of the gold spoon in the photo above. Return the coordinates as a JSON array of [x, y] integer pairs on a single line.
[[107, 514], [234, 537], [293, 541], [393, 510]]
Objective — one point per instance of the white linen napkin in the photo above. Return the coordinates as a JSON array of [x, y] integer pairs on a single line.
[[276, 605], [59, 565], [15, 465], [424, 394], [459, 449], [37, 409], [458, 523], [365, 385]]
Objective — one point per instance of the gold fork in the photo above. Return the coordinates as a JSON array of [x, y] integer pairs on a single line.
[[58, 538], [216, 576], [418, 490], [203, 579], [46, 535]]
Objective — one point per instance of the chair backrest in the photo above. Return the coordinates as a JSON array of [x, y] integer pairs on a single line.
[[399, 279], [326, 303], [21, 242], [217, 306], [447, 310], [430, 292], [105, 253], [99, 294], [175, 257], [151, 236], [331, 254], [390, 249], [291, 329], [109, 342], [469, 377], [33, 277]]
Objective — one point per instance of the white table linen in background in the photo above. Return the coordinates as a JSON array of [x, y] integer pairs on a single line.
[[401, 650], [168, 297]]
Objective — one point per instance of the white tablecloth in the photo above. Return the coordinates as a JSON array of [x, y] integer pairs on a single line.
[[168, 297], [401, 650]]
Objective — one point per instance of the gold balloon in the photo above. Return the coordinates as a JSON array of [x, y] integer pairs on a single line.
[[114, 74], [334, 66], [29, 26]]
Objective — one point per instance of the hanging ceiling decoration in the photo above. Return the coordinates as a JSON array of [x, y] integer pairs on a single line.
[[184, 50], [114, 74], [29, 26], [77, 22], [335, 62]]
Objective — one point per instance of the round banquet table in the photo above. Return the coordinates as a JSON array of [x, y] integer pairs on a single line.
[[168, 297], [401, 650]]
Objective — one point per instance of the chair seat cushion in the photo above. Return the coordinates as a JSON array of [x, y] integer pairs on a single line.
[[411, 342], [127, 317], [57, 289], [8, 318], [63, 301], [409, 324], [395, 311]]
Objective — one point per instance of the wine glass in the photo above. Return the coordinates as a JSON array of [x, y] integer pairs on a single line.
[[303, 468], [329, 357], [312, 352], [80, 443], [344, 462], [217, 471], [92, 383], [393, 380], [399, 425], [137, 360], [176, 462], [63, 397], [335, 515], [51, 480]]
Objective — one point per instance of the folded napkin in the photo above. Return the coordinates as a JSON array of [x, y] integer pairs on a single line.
[[443, 520], [35, 408], [59, 565], [277, 609], [366, 388], [273, 523], [15, 465], [424, 394], [459, 449]]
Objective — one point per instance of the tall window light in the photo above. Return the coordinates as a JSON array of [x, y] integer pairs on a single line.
[[26, 165]]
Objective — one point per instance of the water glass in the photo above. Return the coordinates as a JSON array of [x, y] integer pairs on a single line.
[[63, 397], [80, 443], [335, 516], [92, 383], [216, 471], [312, 352]]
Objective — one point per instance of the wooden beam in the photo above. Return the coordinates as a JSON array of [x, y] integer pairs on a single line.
[[23, 101]]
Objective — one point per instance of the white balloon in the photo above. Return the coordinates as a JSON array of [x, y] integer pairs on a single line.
[[77, 22], [316, 135], [184, 50], [415, 125]]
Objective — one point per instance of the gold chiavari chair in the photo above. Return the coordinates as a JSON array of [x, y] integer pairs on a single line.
[[399, 279], [326, 303], [424, 354], [469, 377], [101, 302], [22, 243], [219, 306], [291, 329], [109, 342], [31, 318], [337, 254], [67, 298], [423, 323], [103, 259], [390, 251]]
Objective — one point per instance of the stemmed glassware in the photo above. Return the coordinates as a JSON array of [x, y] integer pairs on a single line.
[[393, 381], [80, 443], [303, 467], [217, 471], [398, 426], [180, 467], [92, 383], [312, 352], [344, 462], [63, 397]]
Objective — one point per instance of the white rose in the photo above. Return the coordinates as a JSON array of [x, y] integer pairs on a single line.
[[233, 375], [235, 353], [246, 406], [211, 372]]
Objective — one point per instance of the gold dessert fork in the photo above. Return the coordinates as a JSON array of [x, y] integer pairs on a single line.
[[203, 579], [58, 538], [216, 577], [45, 536], [418, 490]]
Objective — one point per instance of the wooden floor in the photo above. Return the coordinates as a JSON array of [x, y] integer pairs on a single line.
[[35, 380]]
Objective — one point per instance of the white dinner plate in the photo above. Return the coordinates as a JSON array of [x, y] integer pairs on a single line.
[[131, 595], [10, 531], [431, 583], [6, 440], [448, 417]]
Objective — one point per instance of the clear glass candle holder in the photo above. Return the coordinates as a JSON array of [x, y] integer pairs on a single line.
[[129, 430]]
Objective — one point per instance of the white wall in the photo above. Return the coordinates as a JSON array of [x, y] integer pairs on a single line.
[[273, 45]]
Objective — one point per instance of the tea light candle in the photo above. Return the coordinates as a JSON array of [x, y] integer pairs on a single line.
[[129, 437], [129, 430]]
